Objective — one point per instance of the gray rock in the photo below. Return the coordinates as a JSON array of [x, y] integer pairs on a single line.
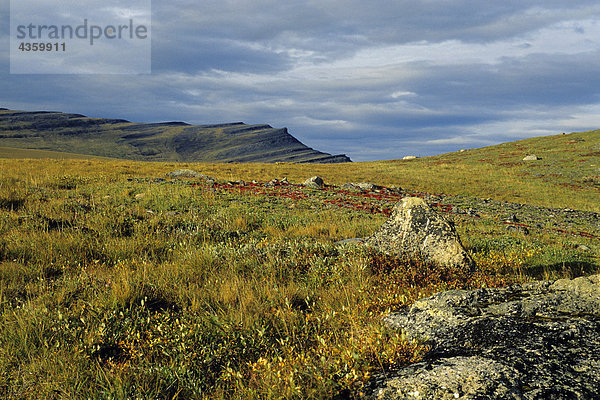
[[415, 230], [531, 157], [184, 173], [361, 186], [533, 341], [518, 228], [409, 157], [314, 182], [189, 173]]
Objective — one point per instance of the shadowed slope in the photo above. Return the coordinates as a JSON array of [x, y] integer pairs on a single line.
[[165, 141]]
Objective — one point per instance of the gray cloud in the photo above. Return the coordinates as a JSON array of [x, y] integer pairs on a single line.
[[373, 80]]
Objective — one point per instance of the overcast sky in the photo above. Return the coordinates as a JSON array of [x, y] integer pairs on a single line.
[[371, 79]]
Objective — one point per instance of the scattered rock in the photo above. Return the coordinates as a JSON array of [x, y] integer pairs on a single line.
[[518, 228], [190, 173], [472, 212], [275, 182], [184, 173], [415, 230], [531, 341], [409, 157], [314, 182], [531, 157], [361, 186]]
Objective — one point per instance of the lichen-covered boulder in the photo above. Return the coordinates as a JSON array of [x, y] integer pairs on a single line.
[[415, 230], [534, 341]]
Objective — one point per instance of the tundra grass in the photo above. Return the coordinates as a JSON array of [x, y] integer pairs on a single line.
[[118, 283], [566, 175]]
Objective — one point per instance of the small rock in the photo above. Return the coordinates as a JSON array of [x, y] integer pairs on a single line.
[[190, 173], [583, 247], [184, 173], [531, 157], [314, 182], [512, 218], [362, 186], [518, 228], [472, 212], [140, 196], [409, 157]]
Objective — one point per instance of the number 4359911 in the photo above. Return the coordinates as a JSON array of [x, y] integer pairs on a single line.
[[24, 46]]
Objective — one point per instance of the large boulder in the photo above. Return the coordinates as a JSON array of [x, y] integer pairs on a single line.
[[415, 230], [534, 341]]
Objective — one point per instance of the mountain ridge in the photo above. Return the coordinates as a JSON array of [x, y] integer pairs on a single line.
[[160, 141]]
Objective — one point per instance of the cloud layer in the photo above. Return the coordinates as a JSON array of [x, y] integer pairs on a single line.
[[374, 80]]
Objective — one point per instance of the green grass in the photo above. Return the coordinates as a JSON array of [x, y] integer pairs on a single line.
[[116, 284], [568, 175]]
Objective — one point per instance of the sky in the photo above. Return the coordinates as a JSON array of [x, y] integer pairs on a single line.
[[373, 79]]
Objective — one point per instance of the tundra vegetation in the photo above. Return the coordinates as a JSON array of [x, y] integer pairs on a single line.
[[118, 282]]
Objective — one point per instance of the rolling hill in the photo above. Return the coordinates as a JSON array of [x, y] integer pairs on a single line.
[[164, 141]]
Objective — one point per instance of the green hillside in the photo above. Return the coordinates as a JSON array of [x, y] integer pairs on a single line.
[[164, 141]]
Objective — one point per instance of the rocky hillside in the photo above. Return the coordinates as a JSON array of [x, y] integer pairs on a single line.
[[165, 141]]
